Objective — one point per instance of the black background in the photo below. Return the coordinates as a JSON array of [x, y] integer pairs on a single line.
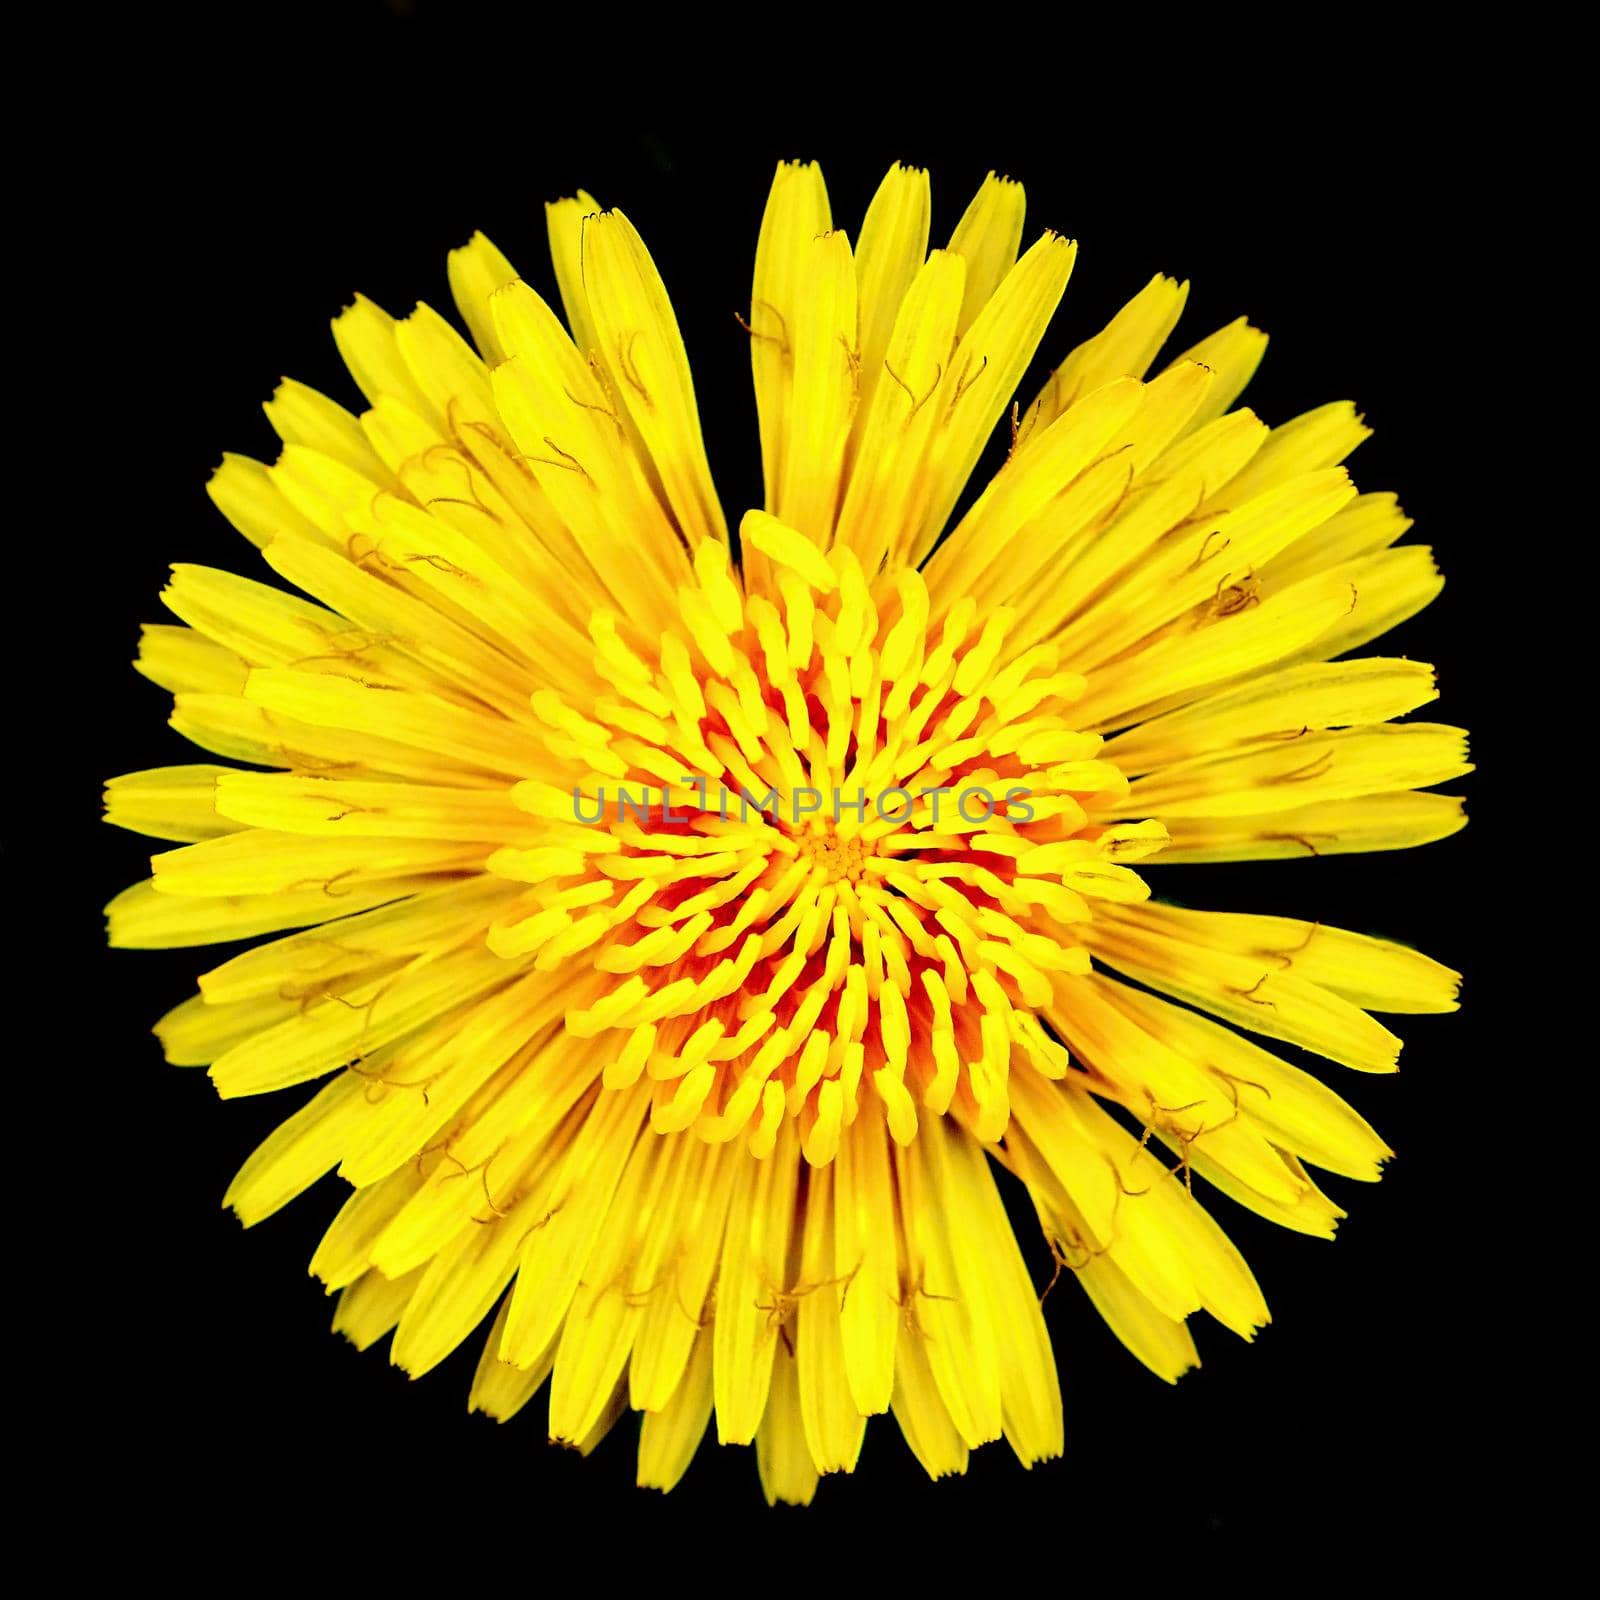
[[245, 180]]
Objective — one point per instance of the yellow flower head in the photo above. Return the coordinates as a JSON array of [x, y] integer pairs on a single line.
[[690, 923]]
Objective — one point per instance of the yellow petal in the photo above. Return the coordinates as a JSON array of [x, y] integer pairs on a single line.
[[669, 1436], [787, 1474], [1338, 827], [754, 1299], [826, 387], [476, 270], [1124, 348], [892, 246], [644, 355], [832, 1424], [987, 237], [796, 212], [983, 373]]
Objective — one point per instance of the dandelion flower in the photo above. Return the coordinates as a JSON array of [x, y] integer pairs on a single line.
[[699, 1105]]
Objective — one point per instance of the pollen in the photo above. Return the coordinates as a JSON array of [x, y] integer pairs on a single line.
[[836, 858]]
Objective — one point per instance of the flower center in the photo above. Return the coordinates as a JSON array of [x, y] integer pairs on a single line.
[[852, 857], [834, 856]]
